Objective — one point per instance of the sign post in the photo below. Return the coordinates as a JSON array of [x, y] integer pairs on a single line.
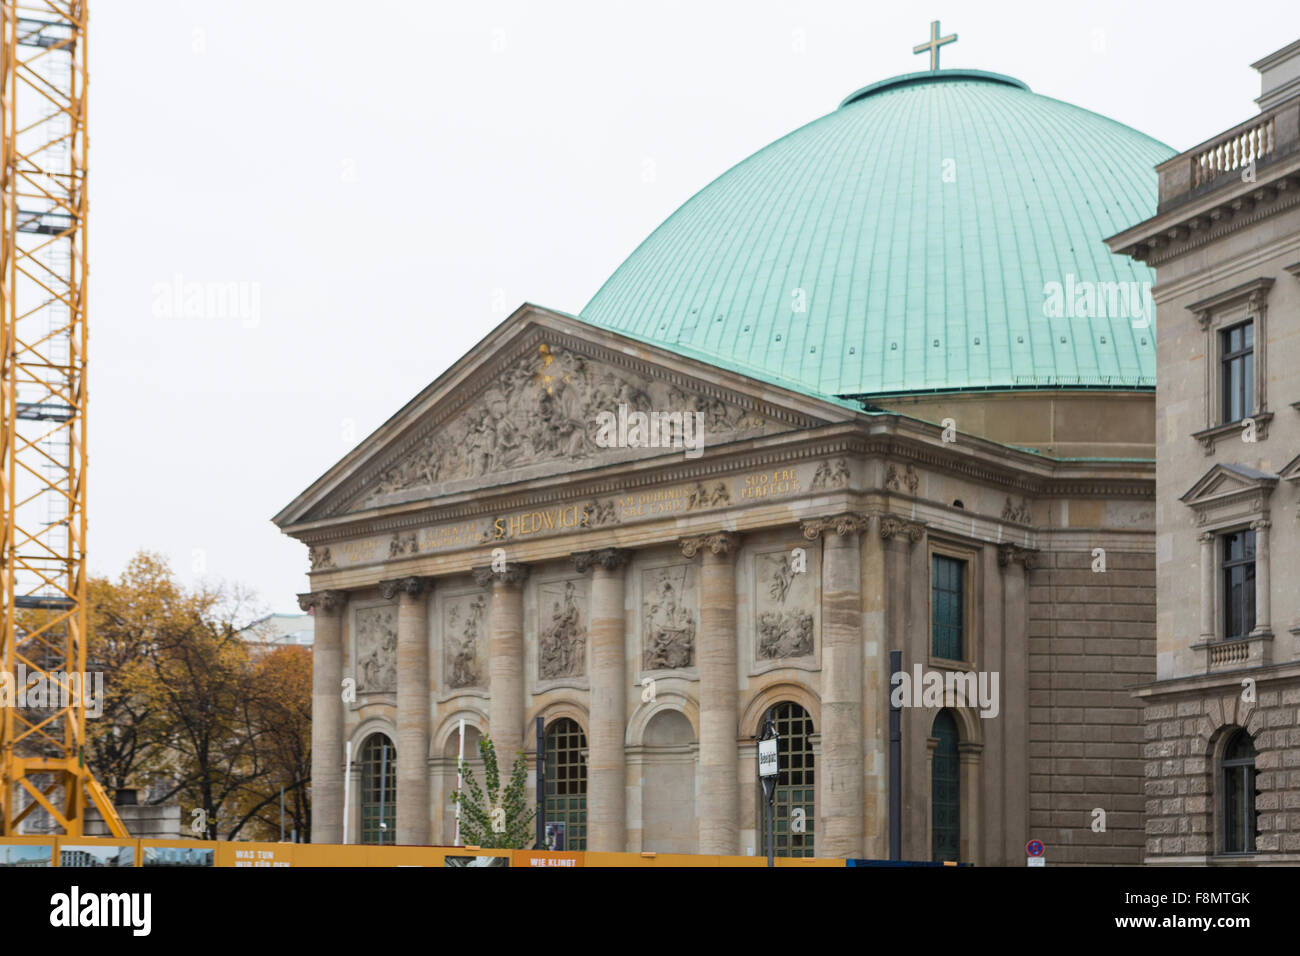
[[541, 783], [767, 769]]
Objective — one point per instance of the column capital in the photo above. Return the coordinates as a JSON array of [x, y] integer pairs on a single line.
[[1261, 524], [512, 573], [611, 559], [1205, 537], [1009, 554], [842, 524], [412, 585], [719, 542], [327, 601], [892, 526]]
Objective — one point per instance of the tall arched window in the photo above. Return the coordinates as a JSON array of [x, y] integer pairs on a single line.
[[566, 781], [1239, 794], [795, 783], [945, 790], [378, 790]]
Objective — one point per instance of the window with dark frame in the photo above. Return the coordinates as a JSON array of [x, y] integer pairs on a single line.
[[566, 780], [1239, 794], [378, 790], [795, 784], [1237, 371], [947, 585], [1238, 585]]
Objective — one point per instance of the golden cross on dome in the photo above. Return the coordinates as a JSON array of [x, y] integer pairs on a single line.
[[936, 41]]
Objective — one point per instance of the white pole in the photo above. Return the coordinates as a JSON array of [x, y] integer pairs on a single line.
[[347, 778], [460, 763]]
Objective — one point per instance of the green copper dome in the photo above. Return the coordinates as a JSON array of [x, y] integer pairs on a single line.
[[908, 242]]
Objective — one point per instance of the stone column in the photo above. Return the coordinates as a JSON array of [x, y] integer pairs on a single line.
[[718, 784], [875, 692], [606, 758], [1263, 616], [968, 755], [326, 714], [1015, 561], [840, 781], [413, 810], [506, 660], [1207, 587]]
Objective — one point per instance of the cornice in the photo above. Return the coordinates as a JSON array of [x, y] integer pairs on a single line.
[[1182, 230], [902, 442]]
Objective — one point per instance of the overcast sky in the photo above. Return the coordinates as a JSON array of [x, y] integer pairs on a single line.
[[385, 181]]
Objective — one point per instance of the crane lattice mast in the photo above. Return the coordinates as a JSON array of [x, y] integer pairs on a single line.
[[43, 434]]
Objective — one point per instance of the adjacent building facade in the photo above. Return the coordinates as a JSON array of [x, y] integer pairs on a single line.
[[1223, 714]]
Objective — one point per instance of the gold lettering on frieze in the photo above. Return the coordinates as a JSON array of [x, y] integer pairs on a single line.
[[651, 503], [533, 522], [449, 536], [767, 484], [356, 552]]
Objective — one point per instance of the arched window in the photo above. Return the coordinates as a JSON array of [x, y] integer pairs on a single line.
[[945, 791], [566, 781], [1239, 794], [378, 790], [795, 784]]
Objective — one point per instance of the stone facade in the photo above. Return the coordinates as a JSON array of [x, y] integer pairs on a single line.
[[1226, 247], [665, 601]]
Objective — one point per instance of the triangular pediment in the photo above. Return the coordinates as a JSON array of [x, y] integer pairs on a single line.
[[535, 399], [1291, 470], [1226, 480]]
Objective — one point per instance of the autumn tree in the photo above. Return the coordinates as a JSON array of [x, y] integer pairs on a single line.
[[281, 689]]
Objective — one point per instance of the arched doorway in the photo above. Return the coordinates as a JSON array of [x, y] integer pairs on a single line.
[[566, 781], [795, 782], [378, 790], [945, 790]]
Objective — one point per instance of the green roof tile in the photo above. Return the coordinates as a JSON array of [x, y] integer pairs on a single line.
[[854, 210]]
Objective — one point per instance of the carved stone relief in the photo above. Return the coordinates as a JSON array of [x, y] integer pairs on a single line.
[[464, 632], [562, 630], [668, 615], [706, 496], [545, 408], [897, 480], [1019, 514], [376, 650], [320, 558], [831, 475], [784, 606], [402, 544]]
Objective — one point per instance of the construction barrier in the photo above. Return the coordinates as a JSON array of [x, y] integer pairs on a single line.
[[47, 851]]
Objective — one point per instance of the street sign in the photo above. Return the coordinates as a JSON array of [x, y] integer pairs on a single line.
[[767, 758], [1034, 848], [1035, 861]]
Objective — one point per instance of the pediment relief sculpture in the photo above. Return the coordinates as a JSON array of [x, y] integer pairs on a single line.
[[545, 408]]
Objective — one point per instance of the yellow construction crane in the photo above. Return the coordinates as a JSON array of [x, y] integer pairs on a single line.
[[43, 402]]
